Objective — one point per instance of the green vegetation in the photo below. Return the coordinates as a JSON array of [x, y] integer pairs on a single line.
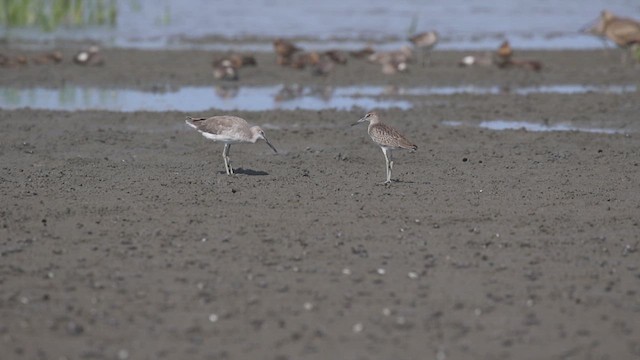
[[51, 14]]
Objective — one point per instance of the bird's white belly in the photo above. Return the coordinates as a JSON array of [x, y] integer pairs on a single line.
[[222, 138]]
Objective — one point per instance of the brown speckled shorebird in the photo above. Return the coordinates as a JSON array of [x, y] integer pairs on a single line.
[[285, 48], [229, 130], [387, 138], [622, 31], [425, 42], [503, 55]]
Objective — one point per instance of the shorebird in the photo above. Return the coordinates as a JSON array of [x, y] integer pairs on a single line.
[[403, 55], [235, 60], [425, 42], [228, 73], [362, 53], [284, 48], [393, 67], [301, 60], [387, 138], [54, 57], [91, 56], [504, 54], [336, 56], [484, 59], [229, 130], [622, 31], [323, 67], [20, 60], [228, 67]]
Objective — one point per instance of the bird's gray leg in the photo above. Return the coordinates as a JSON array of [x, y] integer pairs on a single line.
[[229, 159], [386, 158], [225, 156]]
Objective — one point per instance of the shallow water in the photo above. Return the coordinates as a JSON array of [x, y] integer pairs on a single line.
[[260, 98], [531, 126], [484, 90], [462, 24], [190, 99]]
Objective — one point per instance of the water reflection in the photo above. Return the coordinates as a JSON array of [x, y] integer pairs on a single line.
[[531, 126], [484, 90], [227, 97], [257, 98]]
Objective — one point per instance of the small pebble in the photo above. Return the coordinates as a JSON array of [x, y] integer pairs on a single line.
[[123, 354], [357, 328], [346, 271], [381, 271], [213, 318], [386, 311], [412, 275], [74, 328], [308, 306]]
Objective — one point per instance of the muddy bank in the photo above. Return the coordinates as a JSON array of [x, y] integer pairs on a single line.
[[121, 237], [166, 69]]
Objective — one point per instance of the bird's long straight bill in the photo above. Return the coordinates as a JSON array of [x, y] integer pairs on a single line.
[[357, 122], [271, 146]]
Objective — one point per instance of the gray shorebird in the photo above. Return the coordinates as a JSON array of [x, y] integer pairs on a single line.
[[228, 130], [387, 138], [405, 54], [362, 53], [425, 42]]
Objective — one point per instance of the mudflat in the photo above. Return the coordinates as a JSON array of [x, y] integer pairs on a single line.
[[122, 238]]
